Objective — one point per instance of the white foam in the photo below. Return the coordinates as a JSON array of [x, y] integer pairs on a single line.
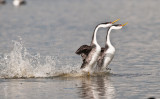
[[19, 63]]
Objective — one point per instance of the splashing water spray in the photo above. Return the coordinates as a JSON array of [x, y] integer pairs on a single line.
[[19, 63]]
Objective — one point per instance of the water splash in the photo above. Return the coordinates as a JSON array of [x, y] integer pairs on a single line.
[[19, 63]]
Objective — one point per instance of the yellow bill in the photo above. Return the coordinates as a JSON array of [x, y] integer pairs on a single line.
[[125, 24], [115, 21]]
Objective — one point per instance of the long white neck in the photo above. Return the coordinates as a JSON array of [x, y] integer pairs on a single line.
[[108, 42], [94, 37]]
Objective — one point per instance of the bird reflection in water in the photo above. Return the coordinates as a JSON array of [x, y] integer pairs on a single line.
[[96, 88]]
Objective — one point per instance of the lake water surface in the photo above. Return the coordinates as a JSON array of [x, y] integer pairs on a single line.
[[38, 42]]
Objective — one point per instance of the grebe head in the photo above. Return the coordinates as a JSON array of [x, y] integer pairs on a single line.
[[108, 24], [118, 26]]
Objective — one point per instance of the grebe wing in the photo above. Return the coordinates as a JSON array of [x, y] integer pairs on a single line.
[[84, 49]]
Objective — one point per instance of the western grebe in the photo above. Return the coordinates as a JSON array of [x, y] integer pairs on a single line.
[[107, 53], [91, 53], [2, 2], [18, 2]]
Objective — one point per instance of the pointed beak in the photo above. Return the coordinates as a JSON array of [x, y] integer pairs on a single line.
[[115, 21], [125, 24]]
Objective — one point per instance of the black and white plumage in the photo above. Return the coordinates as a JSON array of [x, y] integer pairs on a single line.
[[19, 2], [91, 53], [107, 53]]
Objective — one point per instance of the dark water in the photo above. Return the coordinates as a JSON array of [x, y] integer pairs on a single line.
[[40, 38]]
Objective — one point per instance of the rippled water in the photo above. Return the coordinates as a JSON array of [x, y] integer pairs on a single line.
[[38, 43]]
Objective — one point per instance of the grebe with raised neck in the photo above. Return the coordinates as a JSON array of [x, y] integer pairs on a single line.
[[107, 53], [91, 53]]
